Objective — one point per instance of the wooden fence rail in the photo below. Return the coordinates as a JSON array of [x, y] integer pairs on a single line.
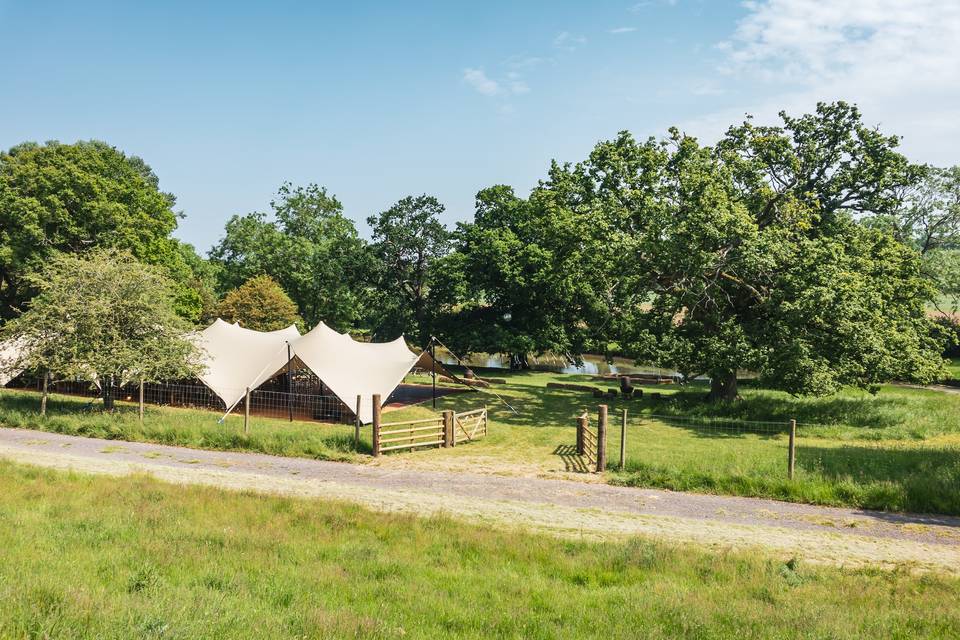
[[446, 430]]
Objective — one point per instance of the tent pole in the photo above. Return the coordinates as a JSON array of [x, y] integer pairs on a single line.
[[433, 367], [290, 382]]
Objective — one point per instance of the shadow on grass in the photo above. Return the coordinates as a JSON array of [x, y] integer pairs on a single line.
[[572, 461]]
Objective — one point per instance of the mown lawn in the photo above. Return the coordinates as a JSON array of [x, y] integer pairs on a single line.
[[94, 557], [896, 450]]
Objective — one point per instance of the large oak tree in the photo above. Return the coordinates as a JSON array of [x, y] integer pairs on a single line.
[[749, 255]]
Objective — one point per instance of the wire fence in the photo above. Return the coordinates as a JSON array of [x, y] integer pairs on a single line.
[[306, 400], [648, 441], [722, 425]]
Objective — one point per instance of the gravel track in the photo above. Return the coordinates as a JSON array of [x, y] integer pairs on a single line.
[[838, 536]]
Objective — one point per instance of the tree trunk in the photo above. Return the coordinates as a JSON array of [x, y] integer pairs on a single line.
[[519, 361], [723, 386], [107, 384]]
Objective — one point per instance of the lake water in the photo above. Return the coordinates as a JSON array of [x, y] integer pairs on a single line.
[[592, 364]]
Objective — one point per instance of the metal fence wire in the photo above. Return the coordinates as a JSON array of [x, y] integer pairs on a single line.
[[308, 399], [722, 425]]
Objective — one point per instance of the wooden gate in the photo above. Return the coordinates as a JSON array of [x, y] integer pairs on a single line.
[[409, 435], [592, 442], [469, 426], [447, 430]]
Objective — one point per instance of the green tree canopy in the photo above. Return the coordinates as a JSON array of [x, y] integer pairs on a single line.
[[73, 197], [408, 239], [528, 275], [103, 314], [928, 219], [309, 247], [260, 304], [748, 255]]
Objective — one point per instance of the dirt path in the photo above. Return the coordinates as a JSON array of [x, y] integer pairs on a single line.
[[837, 536]]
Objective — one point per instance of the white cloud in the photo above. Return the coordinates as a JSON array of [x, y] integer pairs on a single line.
[[622, 30], [646, 4], [568, 42], [899, 60], [526, 62], [510, 85], [516, 84], [478, 79]]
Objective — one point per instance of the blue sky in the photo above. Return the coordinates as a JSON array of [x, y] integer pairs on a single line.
[[226, 100]]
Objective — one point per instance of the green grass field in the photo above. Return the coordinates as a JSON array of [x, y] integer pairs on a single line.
[[89, 557], [897, 450]]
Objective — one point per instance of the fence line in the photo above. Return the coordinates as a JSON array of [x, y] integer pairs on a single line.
[[264, 401], [593, 446], [721, 424]]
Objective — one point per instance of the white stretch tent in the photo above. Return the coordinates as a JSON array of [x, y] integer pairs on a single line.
[[235, 358], [10, 356], [350, 368]]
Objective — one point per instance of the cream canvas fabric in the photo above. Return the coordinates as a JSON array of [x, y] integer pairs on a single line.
[[235, 358], [350, 368], [10, 355]]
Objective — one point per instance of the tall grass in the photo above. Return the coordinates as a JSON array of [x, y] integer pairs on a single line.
[[87, 557], [181, 427]]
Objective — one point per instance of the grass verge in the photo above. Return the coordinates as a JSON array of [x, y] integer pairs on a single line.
[[89, 557]]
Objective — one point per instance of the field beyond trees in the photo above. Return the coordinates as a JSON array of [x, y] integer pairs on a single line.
[[897, 450], [115, 558]]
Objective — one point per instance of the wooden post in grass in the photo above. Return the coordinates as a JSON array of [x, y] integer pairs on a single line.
[[448, 436], [43, 398], [246, 411], [141, 400], [623, 438], [356, 425], [376, 425], [581, 428], [602, 438], [792, 453]]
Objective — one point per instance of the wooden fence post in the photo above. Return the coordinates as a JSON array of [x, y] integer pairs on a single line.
[[376, 425], [356, 425], [448, 436], [246, 411], [623, 439], [581, 427], [141, 399], [792, 453], [602, 438], [43, 398]]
